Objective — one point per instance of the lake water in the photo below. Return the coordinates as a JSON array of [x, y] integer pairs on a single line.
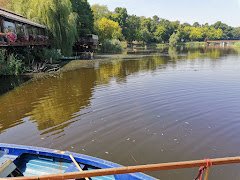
[[137, 110]]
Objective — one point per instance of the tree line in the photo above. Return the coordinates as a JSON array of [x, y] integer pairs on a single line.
[[68, 20], [156, 29]]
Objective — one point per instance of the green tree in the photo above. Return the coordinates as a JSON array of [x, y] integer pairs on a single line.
[[174, 39], [108, 29], [156, 19], [100, 11], [184, 33], [57, 15], [171, 27], [212, 33], [236, 33], [85, 20], [145, 35], [147, 29], [196, 24], [120, 15], [196, 34], [133, 28], [227, 30], [161, 33]]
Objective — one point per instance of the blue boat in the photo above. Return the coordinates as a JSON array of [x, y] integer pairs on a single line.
[[27, 161]]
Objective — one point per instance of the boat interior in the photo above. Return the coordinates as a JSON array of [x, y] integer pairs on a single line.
[[37, 165]]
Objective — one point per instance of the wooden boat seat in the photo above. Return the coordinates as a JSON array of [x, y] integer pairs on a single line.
[[6, 167]]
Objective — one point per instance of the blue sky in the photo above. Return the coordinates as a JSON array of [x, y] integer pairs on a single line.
[[190, 11]]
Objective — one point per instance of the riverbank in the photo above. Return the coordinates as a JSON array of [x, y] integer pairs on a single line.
[[174, 53]]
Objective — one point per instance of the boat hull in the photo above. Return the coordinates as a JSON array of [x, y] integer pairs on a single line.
[[43, 161]]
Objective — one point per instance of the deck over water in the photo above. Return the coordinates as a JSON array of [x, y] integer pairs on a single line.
[[163, 108]]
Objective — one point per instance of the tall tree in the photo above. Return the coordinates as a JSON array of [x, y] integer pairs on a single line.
[[161, 33], [236, 33], [227, 30], [100, 11], [57, 15], [133, 28], [108, 29], [85, 21], [120, 16]]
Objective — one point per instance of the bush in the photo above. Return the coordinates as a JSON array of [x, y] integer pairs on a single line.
[[10, 64], [14, 64], [52, 55], [45, 55], [111, 46]]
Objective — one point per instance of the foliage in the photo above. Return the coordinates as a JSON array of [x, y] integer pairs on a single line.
[[174, 39], [100, 12], [57, 15], [120, 16], [111, 46], [68, 20], [51, 55], [14, 64], [196, 34], [157, 30], [108, 29], [227, 30], [85, 20], [10, 64], [189, 33], [236, 33], [160, 33], [145, 35], [3, 63], [132, 32], [212, 33]]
